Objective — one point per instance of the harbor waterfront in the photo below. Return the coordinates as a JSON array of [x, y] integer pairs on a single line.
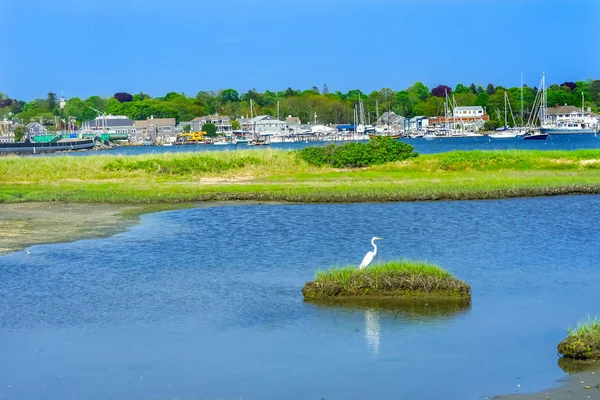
[[198, 304], [424, 146]]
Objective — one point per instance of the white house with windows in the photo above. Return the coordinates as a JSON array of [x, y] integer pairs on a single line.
[[569, 113], [222, 122], [470, 112], [265, 124], [111, 124]]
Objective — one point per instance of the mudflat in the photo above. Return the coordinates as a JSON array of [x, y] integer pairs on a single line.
[[26, 224]]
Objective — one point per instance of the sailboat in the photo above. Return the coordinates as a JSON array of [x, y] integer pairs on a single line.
[[256, 140], [505, 132], [540, 110]]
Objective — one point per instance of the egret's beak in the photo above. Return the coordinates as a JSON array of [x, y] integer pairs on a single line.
[[379, 239]]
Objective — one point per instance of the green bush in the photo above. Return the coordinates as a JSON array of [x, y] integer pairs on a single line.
[[355, 155], [183, 166]]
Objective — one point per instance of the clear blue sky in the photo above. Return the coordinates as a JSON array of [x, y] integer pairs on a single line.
[[87, 47]]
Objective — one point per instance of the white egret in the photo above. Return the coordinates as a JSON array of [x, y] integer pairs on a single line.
[[369, 256]]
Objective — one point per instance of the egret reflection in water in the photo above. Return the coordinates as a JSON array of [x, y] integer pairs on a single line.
[[372, 329], [395, 314]]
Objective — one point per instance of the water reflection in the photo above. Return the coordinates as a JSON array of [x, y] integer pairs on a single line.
[[372, 330], [571, 366], [401, 312]]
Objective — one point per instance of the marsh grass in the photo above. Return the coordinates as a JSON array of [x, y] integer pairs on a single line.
[[398, 278], [591, 328], [277, 175], [583, 342]]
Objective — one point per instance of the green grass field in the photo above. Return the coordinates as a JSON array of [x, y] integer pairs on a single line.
[[398, 278], [277, 175]]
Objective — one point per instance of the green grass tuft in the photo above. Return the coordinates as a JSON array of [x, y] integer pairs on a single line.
[[583, 342], [587, 329], [402, 278]]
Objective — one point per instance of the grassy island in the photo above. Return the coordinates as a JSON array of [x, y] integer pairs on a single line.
[[278, 175], [393, 279], [583, 342]]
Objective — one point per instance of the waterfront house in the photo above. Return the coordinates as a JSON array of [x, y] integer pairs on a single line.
[[391, 118], [155, 130], [568, 113], [5, 128], [263, 123], [109, 124], [222, 122], [471, 113], [35, 128], [292, 121], [416, 124]]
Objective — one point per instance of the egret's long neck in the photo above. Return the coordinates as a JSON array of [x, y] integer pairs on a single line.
[[374, 247]]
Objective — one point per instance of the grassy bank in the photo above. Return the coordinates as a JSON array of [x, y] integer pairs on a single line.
[[393, 279], [277, 175], [583, 342]]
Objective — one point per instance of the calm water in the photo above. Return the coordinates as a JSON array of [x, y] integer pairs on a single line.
[[557, 142], [206, 303]]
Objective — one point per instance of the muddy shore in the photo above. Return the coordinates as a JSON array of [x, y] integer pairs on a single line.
[[27, 224], [582, 383]]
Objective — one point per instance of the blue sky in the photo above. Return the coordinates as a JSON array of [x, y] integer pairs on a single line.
[[106, 46]]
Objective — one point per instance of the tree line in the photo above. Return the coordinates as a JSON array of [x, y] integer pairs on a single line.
[[329, 107]]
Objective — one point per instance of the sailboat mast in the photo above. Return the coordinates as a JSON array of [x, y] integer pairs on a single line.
[[505, 115], [522, 106]]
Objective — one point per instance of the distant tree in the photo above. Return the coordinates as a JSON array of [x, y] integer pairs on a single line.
[[97, 102], [171, 96], [420, 90], [187, 128], [17, 107], [473, 88], [210, 129], [595, 90], [325, 89], [6, 103], [570, 85], [229, 96], [483, 99], [442, 90], [141, 96], [235, 125], [315, 90], [490, 90], [480, 89], [290, 92], [460, 88], [19, 133], [51, 101], [123, 97]]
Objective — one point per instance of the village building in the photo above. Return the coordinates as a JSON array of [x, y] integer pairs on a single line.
[[155, 130], [222, 122]]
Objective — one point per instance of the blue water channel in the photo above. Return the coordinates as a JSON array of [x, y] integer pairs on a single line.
[[206, 303], [556, 142]]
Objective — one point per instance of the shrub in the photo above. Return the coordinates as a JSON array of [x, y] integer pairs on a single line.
[[355, 155]]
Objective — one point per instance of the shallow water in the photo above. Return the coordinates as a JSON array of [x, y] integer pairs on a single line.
[[206, 303], [557, 142]]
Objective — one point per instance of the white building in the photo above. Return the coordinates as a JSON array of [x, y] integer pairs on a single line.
[[469, 112], [569, 113], [111, 124], [223, 123], [263, 124]]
